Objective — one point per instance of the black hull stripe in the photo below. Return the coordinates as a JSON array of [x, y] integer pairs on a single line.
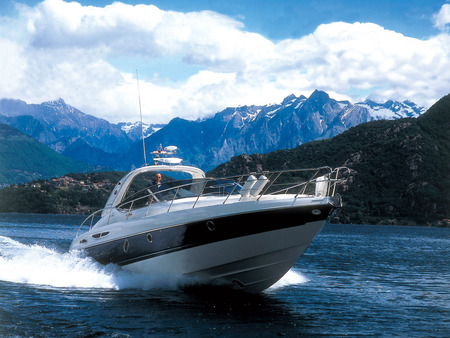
[[188, 235]]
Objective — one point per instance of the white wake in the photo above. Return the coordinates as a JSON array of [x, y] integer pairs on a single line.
[[291, 277], [39, 265]]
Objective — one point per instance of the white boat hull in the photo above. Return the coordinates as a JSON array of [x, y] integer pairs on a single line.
[[249, 250], [213, 230], [252, 263]]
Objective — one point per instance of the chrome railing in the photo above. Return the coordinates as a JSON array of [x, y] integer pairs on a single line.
[[299, 182]]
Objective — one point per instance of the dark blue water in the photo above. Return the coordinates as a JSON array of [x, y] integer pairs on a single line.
[[353, 280]]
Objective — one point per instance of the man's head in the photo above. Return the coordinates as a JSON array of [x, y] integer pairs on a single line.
[[157, 178]]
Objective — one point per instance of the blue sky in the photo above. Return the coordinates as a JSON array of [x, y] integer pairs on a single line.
[[197, 57], [295, 18]]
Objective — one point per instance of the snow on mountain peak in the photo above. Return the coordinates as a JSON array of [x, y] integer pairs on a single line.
[[392, 110], [134, 129]]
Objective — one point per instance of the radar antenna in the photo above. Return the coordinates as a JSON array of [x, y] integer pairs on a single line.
[[142, 126]]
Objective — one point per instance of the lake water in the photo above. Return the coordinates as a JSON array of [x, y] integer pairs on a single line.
[[353, 280]]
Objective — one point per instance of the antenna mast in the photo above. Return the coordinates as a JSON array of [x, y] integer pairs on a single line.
[[140, 111]]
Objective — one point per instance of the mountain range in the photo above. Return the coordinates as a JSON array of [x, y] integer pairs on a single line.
[[399, 173], [262, 129], [204, 143], [399, 170]]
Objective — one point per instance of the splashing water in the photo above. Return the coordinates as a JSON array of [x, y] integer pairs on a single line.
[[38, 265], [291, 277]]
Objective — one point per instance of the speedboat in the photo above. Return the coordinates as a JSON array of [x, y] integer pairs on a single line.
[[244, 231]]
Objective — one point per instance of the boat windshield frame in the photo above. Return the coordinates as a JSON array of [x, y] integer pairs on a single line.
[[178, 189], [123, 185]]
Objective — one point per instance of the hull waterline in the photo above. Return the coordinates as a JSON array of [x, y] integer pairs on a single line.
[[251, 263]]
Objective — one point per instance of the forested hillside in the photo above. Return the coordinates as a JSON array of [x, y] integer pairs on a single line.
[[73, 193], [23, 159], [400, 170]]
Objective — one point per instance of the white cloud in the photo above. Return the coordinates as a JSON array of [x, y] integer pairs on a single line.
[[63, 50], [342, 56], [13, 64], [442, 18]]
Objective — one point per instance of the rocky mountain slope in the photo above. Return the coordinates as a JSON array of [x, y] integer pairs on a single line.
[[71, 132], [58, 125], [400, 169], [262, 129], [207, 143]]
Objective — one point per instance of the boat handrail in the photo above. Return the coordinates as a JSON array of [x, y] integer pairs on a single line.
[[235, 182], [279, 172], [91, 217], [328, 177]]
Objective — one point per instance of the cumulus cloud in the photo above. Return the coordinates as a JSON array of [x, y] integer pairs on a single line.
[[442, 18], [12, 66], [67, 50], [364, 56]]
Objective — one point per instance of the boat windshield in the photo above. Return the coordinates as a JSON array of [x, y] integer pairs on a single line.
[[144, 191]]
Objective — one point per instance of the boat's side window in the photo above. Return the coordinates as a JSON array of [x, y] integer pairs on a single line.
[[137, 193], [142, 191]]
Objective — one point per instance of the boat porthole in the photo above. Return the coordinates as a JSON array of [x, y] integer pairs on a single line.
[[210, 225], [149, 237], [126, 245], [316, 212]]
